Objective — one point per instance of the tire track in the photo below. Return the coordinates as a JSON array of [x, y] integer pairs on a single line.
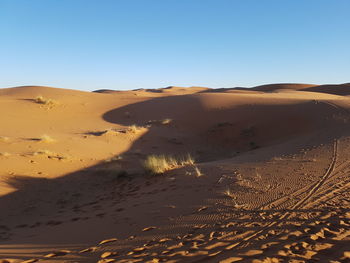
[[327, 196], [329, 174], [313, 190], [323, 178]]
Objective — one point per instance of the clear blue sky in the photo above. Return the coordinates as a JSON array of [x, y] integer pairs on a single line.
[[128, 44]]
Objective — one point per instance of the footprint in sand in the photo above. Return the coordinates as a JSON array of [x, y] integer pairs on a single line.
[[215, 253], [252, 252], [139, 249], [148, 228], [231, 259], [90, 249], [170, 206], [164, 240], [267, 260], [30, 260], [106, 260], [346, 255], [108, 254], [268, 245], [179, 245], [215, 245], [108, 241], [202, 208], [57, 254]]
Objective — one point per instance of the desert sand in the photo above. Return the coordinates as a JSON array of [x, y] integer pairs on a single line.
[[269, 183]]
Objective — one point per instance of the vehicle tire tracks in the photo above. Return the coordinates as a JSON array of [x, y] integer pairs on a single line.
[[299, 204]]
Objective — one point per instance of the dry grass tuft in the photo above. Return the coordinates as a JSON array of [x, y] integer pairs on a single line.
[[41, 100], [197, 171], [158, 164], [186, 160], [166, 121], [134, 128], [43, 152], [49, 154], [236, 205], [229, 193], [4, 139], [46, 138], [114, 158], [159, 122], [111, 132]]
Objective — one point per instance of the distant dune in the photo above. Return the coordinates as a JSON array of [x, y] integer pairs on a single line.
[[281, 86], [256, 174]]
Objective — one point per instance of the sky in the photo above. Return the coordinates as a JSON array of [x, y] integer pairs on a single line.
[[131, 44]]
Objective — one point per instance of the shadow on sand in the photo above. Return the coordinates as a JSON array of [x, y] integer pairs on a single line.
[[101, 195]]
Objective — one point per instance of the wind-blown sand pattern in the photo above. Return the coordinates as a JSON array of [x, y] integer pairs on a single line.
[[270, 181]]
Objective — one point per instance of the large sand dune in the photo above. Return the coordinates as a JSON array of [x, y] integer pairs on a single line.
[[270, 182]]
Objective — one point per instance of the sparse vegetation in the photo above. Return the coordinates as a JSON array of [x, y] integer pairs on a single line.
[[49, 154], [114, 158], [160, 122], [134, 128], [4, 139], [41, 100], [112, 132], [43, 152], [46, 138], [229, 193], [186, 160], [158, 164], [236, 205], [197, 171], [166, 121]]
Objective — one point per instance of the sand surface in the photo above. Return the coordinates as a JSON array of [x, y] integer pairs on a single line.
[[270, 182]]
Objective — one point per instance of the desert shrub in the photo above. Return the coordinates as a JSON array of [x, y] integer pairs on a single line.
[[159, 122], [134, 128], [41, 100], [230, 194], [114, 158], [46, 138], [166, 121], [50, 155], [4, 139], [158, 164], [198, 172], [186, 160], [43, 152]]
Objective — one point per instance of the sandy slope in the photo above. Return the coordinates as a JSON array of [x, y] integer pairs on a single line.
[[273, 164]]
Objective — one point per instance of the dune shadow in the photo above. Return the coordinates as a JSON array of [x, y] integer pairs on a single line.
[[210, 134], [221, 132]]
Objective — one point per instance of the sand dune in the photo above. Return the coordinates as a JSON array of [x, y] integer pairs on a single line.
[[281, 86], [270, 181], [342, 89]]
